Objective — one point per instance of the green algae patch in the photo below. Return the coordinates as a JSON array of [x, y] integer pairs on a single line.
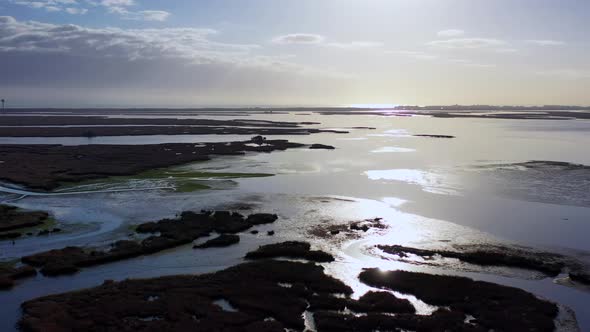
[[15, 222], [45, 228], [166, 174], [4, 265], [179, 180], [190, 187]]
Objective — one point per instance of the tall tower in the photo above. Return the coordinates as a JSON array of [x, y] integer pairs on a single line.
[[3, 101]]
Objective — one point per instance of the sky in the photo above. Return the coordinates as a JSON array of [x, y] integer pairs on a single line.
[[199, 53]]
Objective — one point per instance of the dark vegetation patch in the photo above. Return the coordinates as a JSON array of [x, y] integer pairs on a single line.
[[10, 235], [188, 227], [549, 263], [272, 295], [434, 136], [580, 275], [95, 131], [370, 302], [290, 249], [441, 320], [223, 240], [546, 165], [48, 166], [544, 262], [9, 273], [321, 146], [186, 303], [12, 218], [494, 307], [109, 121]]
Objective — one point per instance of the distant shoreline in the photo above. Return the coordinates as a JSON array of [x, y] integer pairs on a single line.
[[493, 108]]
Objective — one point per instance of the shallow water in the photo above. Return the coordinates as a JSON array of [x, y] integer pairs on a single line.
[[428, 190]]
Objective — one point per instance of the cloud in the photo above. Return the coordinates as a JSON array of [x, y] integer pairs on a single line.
[[506, 50], [450, 33], [186, 61], [546, 42], [48, 5], [117, 3], [186, 43], [469, 63], [298, 38], [146, 15], [356, 45], [467, 43], [418, 55], [319, 40], [121, 7], [76, 11], [480, 65], [75, 7]]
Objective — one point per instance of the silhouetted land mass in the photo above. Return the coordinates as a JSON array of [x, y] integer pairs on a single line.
[[48, 166], [493, 307], [545, 262], [518, 114], [274, 109], [16, 131], [9, 273], [434, 136], [290, 249], [92, 126], [223, 240], [163, 234], [493, 108], [270, 295], [73, 116], [46, 120]]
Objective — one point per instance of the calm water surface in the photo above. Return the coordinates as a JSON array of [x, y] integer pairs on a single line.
[[429, 191]]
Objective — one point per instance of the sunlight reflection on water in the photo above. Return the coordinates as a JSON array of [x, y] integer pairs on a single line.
[[430, 182], [386, 149]]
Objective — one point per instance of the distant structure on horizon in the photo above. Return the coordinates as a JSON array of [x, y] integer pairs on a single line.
[[3, 101]]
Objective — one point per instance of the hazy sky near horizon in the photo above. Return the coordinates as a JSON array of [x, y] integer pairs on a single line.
[[182, 53]]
